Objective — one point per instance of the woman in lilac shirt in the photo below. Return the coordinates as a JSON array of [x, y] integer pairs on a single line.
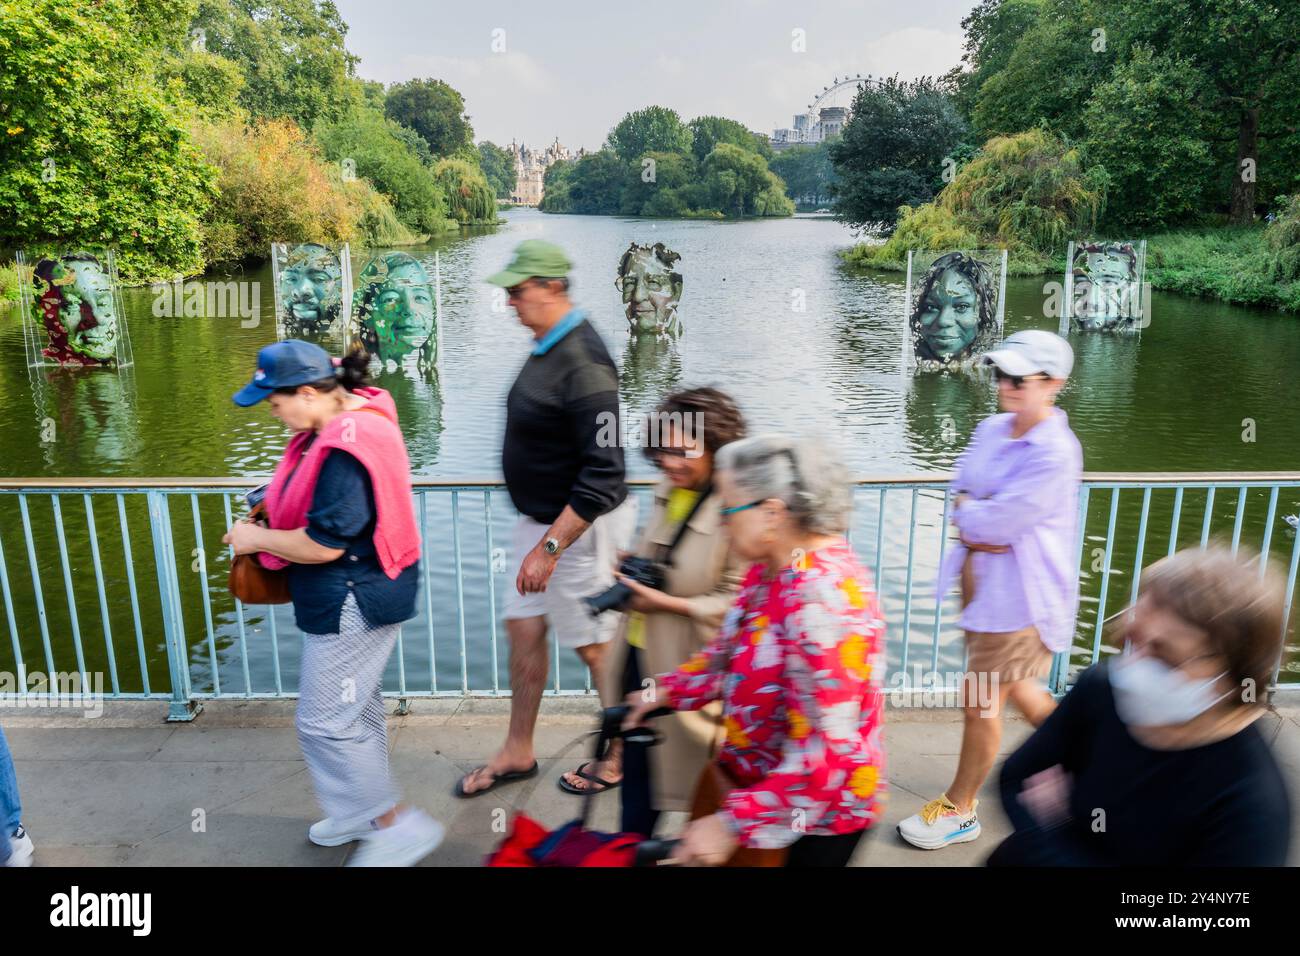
[[1017, 511]]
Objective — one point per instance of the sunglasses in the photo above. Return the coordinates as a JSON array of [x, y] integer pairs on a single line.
[[1017, 380]]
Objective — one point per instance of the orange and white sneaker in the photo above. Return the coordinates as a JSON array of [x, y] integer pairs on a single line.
[[940, 824]]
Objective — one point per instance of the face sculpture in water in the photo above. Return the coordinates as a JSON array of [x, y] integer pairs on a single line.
[[1105, 286], [311, 290], [955, 312], [395, 309], [651, 289], [77, 309]]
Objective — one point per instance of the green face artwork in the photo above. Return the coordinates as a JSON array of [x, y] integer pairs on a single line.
[[311, 290], [1104, 278], [395, 309], [949, 315], [78, 310], [651, 289], [954, 312]]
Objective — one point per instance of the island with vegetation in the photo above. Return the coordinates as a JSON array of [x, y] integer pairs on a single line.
[[1169, 120]]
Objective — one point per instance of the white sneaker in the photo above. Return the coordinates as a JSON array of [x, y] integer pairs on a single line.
[[410, 839], [21, 848], [940, 824], [331, 832]]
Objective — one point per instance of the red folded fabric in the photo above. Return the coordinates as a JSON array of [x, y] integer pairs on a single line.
[[372, 439]]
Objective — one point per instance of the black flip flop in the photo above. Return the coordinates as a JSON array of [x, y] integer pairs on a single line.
[[510, 776], [601, 785]]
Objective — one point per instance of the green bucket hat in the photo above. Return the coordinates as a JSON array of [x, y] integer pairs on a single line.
[[534, 258]]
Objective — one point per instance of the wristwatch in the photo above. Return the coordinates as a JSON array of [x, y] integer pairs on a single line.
[[551, 546]]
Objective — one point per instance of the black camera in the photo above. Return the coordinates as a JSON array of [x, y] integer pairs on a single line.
[[641, 570]]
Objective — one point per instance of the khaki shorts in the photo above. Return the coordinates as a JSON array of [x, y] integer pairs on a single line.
[[1010, 655], [1005, 656], [585, 568]]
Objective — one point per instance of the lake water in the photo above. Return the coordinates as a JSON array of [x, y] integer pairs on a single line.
[[1207, 387]]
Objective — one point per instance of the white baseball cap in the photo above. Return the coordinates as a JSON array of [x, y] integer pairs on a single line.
[[1033, 351]]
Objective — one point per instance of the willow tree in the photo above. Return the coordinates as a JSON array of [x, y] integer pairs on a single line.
[[469, 197]]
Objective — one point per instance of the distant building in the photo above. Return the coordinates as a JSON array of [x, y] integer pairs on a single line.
[[832, 120], [531, 166]]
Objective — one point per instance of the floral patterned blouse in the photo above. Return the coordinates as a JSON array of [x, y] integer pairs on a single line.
[[798, 665]]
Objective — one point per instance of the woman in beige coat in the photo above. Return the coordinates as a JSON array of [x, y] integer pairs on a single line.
[[663, 629]]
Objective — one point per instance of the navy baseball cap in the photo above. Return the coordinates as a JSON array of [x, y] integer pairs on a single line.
[[283, 364]]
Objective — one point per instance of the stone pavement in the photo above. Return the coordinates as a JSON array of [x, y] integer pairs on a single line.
[[230, 789]]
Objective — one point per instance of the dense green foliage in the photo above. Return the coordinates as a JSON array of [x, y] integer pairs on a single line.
[[290, 53], [498, 167], [1119, 118], [1027, 193], [1146, 84], [93, 147], [892, 150], [469, 197], [807, 171], [653, 129], [374, 143], [435, 111], [653, 164], [183, 132]]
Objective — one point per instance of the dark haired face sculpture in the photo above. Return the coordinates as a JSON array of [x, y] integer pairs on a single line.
[[1105, 279], [396, 310], [954, 312], [311, 290], [651, 289], [78, 311]]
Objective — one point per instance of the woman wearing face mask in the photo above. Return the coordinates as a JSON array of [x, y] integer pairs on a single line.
[[1154, 757]]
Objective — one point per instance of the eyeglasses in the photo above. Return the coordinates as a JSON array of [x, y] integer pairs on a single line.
[[1017, 380], [515, 291], [731, 511]]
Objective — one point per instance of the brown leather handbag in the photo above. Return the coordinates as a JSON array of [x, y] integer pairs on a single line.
[[254, 584], [710, 792]]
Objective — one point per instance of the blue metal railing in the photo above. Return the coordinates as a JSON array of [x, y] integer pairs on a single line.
[[139, 562]]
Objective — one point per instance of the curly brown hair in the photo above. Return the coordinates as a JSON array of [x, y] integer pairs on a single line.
[[720, 419]]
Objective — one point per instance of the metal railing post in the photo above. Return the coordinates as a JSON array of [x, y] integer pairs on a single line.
[[182, 706]]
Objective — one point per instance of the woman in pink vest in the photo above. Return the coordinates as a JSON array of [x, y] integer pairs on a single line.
[[343, 525]]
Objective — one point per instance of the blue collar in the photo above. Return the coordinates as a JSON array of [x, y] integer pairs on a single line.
[[559, 330]]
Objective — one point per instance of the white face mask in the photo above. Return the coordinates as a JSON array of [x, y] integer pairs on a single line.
[[1150, 693]]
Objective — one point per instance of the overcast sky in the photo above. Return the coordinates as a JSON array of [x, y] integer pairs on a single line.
[[573, 68]]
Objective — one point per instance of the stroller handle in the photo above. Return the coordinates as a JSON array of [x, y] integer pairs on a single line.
[[650, 852], [611, 724]]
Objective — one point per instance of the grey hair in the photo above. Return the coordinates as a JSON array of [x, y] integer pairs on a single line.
[[807, 475]]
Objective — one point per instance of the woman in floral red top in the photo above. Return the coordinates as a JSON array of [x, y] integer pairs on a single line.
[[797, 664]]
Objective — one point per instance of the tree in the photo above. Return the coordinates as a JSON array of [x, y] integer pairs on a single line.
[[1147, 127], [95, 151], [498, 167], [653, 129], [1241, 47], [993, 29], [469, 197], [290, 52], [273, 186], [434, 110], [668, 174], [892, 152], [739, 183], [807, 171], [1030, 193], [708, 131], [591, 185], [374, 145]]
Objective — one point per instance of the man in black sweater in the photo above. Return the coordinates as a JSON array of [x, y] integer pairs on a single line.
[[563, 466]]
